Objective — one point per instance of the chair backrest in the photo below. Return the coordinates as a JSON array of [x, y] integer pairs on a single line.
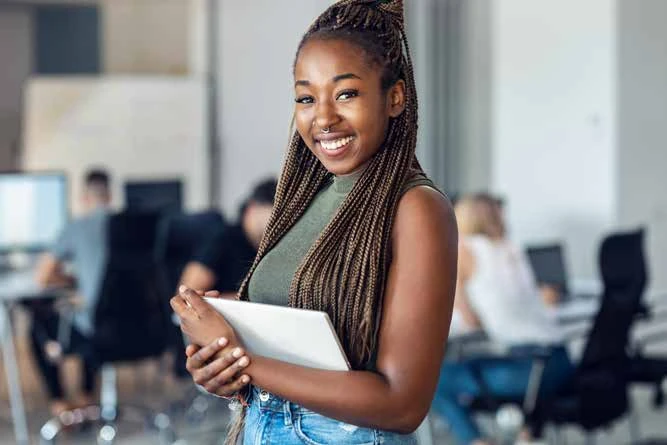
[[548, 265], [601, 378], [130, 318], [180, 236], [623, 272]]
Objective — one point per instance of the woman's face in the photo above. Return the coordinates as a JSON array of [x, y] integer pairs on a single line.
[[336, 88]]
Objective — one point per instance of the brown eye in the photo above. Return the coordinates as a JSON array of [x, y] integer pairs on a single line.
[[304, 100], [346, 95]]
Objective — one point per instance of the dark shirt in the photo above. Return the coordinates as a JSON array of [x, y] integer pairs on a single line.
[[229, 255]]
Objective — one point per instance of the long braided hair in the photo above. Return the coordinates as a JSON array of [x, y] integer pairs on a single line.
[[345, 271]]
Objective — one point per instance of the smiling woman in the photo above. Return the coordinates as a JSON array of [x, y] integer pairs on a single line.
[[357, 231], [343, 108]]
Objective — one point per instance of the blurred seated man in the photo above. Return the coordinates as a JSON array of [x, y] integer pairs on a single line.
[[495, 292], [224, 260], [83, 244]]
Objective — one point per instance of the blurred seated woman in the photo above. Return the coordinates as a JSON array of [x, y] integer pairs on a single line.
[[496, 292]]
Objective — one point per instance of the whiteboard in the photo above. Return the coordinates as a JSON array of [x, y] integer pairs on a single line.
[[137, 127]]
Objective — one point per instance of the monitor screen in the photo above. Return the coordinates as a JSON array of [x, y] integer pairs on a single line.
[[33, 210], [549, 266], [154, 196]]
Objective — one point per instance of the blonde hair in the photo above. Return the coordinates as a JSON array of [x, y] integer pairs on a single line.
[[479, 215]]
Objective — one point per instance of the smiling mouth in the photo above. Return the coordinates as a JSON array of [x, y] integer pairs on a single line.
[[336, 144]]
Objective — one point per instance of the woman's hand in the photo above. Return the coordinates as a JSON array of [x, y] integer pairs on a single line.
[[217, 368], [199, 321]]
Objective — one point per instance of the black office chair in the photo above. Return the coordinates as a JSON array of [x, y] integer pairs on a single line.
[[130, 322], [643, 368], [179, 238], [597, 394]]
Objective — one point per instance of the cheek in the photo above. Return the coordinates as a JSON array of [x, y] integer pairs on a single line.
[[303, 122], [375, 130], [373, 120]]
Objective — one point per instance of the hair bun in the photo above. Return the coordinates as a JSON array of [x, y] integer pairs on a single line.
[[393, 7]]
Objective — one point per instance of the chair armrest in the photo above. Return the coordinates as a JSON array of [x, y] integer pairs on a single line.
[[538, 355], [67, 306], [650, 338], [457, 344], [581, 332]]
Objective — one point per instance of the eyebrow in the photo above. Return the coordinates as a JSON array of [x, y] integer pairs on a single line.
[[337, 78]]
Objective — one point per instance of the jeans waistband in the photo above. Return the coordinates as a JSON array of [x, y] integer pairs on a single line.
[[270, 402]]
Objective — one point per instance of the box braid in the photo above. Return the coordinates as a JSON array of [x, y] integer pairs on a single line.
[[345, 271]]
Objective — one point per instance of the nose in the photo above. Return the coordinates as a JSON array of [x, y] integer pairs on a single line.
[[325, 115]]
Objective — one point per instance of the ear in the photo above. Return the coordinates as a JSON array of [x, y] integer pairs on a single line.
[[396, 99]]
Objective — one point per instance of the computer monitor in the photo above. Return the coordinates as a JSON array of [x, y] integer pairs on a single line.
[[154, 196], [33, 210], [548, 265]]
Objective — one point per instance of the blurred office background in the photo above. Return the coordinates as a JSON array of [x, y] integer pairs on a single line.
[[558, 107]]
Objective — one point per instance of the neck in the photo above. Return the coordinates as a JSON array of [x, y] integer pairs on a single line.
[[357, 171]]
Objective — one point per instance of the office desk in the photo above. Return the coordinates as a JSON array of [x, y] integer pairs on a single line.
[[577, 310], [14, 287]]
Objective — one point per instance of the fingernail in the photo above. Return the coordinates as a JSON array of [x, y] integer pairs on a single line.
[[245, 379], [222, 341], [182, 288], [243, 362], [237, 352]]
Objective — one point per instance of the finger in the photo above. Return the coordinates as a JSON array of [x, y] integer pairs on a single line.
[[197, 302], [199, 358], [191, 350], [212, 294], [180, 307], [234, 387], [220, 372]]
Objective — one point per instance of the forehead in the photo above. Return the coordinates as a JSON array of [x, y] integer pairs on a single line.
[[324, 59]]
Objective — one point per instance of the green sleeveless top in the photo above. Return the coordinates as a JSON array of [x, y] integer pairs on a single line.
[[270, 283]]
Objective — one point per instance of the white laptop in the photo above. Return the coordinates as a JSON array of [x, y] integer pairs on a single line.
[[297, 336]]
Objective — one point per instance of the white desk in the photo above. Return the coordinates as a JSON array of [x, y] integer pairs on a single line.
[[15, 286], [577, 310]]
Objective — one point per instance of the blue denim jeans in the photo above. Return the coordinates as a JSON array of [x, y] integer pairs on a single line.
[[272, 420], [503, 377]]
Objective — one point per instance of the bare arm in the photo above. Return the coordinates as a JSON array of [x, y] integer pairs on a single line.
[[199, 277], [50, 273], [416, 315], [462, 302], [417, 310]]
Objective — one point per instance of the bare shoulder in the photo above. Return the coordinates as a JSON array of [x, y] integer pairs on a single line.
[[425, 212]]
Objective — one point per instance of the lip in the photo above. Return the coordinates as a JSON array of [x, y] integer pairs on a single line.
[[331, 136], [337, 153]]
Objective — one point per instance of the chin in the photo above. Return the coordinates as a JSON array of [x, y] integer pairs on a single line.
[[341, 169]]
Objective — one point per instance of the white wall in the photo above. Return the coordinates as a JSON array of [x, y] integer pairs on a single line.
[[138, 128], [146, 36], [257, 46], [476, 61], [642, 126], [553, 122], [16, 62]]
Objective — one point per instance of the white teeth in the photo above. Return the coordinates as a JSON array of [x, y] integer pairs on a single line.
[[338, 143]]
